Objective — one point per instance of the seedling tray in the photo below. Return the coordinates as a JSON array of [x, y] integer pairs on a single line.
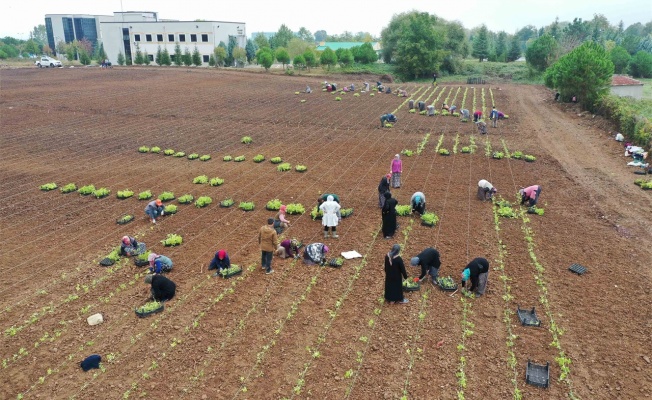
[[121, 221], [140, 263], [537, 375], [107, 262], [333, 263], [171, 212], [447, 288], [528, 317], [231, 274], [225, 206], [412, 289], [578, 269], [148, 313], [430, 225]]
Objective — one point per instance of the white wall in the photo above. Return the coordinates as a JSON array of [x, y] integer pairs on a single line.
[[631, 91]]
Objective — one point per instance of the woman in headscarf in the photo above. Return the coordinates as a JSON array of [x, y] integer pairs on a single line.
[[315, 254], [128, 246], [394, 275], [280, 222], [331, 217], [288, 248], [389, 216], [219, 262], [396, 169], [159, 263], [383, 187]]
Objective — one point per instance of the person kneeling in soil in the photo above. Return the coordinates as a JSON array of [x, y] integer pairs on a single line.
[[315, 254], [128, 246], [332, 216], [154, 209], [280, 222], [485, 190], [308, 90], [159, 264], [429, 261], [219, 262], [477, 271], [389, 117], [482, 127], [288, 248], [394, 275], [418, 202], [163, 289], [530, 195]]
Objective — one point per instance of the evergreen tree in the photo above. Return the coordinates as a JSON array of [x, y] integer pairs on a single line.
[[250, 48], [265, 58], [640, 65], [211, 60], [311, 60], [165, 57], [84, 58], [101, 53], [542, 53], [239, 56], [282, 56], [481, 44], [345, 58], [178, 56], [514, 49], [233, 43], [328, 58], [501, 46], [299, 62], [196, 57], [159, 53], [187, 57], [121, 58], [146, 59], [139, 56], [220, 56], [620, 57]]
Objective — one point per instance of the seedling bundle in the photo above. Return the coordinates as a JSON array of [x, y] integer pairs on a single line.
[[273, 205], [284, 167], [69, 188], [172, 239], [301, 168], [466, 149], [529, 158], [168, 152], [226, 203], [203, 201], [498, 155], [239, 159], [409, 285], [170, 209], [295, 209], [143, 149], [166, 196], [179, 154], [101, 193], [246, 140], [276, 160], [185, 199], [345, 212], [86, 190], [258, 158], [403, 210], [216, 181], [146, 195], [205, 157], [150, 308], [233, 270], [124, 194], [48, 186], [227, 158], [446, 283], [246, 205], [444, 152], [335, 262], [125, 219], [201, 179], [407, 152], [429, 219], [193, 156], [155, 149]]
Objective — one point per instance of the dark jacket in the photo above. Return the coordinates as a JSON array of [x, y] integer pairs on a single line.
[[133, 243], [162, 288], [216, 263], [383, 186], [476, 267], [429, 258], [290, 249]]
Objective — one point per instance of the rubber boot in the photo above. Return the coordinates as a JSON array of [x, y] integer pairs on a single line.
[[325, 234], [335, 235]]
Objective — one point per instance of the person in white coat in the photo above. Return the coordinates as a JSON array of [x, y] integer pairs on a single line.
[[331, 209]]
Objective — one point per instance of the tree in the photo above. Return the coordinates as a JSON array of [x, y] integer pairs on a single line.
[[121, 58], [311, 60], [480, 44], [620, 57], [328, 58], [299, 62], [640, 66], [574, 34], [345, 58], [365, 54], [233, 43], [211, 60], [514, 49], [261, 40], [39, 34], [159, 53], [84, 57], [239, 56], [165, 57], [298, 46], [501, 46], [86, 45], [101, 53], [178, 56], [320, 36], [196, 57], [542, 53], [282, 37], [419, 50], [282, 56], [187, 57], [630, 43], [265, 57], [305, 35], [138, 60], [250, 49], [31, 47], [71, 52], [220, 56], [585, 72], [146, 58]]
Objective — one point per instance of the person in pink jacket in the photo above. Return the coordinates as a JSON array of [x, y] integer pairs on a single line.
[[396, 169], [530, 195]]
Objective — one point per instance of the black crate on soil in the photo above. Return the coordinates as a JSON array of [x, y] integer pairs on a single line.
[[528, 317], [447, 288], [537, 375], [231, 274], [413, 288], [140, 263], [148, 313], [429, 225], [125, 219], [578, 269], [334, 263], [107, 262]]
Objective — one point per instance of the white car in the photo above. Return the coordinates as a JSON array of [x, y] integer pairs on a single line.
[[47, 62]]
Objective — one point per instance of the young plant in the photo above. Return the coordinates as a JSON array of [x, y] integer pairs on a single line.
[[387, 124], [410, 284], [316, 213], [336, 262], [239, 159], [205, 157], [498, 155], [506, 212], [193, 156], [444, 152], [166, 196], [403, 210], [301, 168], [155, 150], [345, 212], [203, 201], [233, 269], [517, 155], [226, 203], [201, 179], [125, 219], [446, 282], [86, 190], [276, 160], [338, 98], [71, 187], [466, 149], [246, 140], [172, 239], [430, 218], [149, 307], [246, 205], [412, 111], [216, 181], [284, 167], [48, 186], [146, 195], [124, 194], [227, 158], [143, 149], [259, 158], [179, 154], [295, 209], [529, 158], [170, 209], [408, 153], [273, 205], [185, 199], [101, 193], [168, 152]]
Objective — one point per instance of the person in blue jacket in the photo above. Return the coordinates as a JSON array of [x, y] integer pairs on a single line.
[[158, 263], [220, 261]]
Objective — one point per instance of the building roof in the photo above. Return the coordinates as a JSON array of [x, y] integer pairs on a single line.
[[341, 45], [623, 80]]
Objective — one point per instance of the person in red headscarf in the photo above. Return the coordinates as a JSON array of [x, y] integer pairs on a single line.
[[280, 222], [220, 261], [154, 209]]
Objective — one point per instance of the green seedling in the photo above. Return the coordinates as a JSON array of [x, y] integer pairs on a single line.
[[203, 201], [216, 181], [71, 187]]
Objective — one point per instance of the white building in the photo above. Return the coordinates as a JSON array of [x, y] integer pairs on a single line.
[[624, 86], [124, 31]]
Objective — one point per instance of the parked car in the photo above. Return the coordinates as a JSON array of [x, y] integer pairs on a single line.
[[47, 62]]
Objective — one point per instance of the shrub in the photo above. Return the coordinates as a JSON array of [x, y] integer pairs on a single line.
[[166, 196], [430, 218], [143, 149], [284, 167], [101, 193], [124, 194], [246, 205], [273, 205], [71, 187], [444, 152], [179, 154], [168, 152], [301, 168], [48, 186], [201, 179], [203, 201], [155, 149], [259, 158], [216, 181], [170, 209], [403, 210], [295, 209], [239, 159], [205, 157], [226, 202], [246, 140], [276, 160], [146, 195], [227, 158], [172, 239], [193, 156], [86, 190], [529, 158], [186, 199]]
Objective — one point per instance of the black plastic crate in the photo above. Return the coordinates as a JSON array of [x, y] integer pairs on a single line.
[[578, 269], [537, 375], [528, 317]]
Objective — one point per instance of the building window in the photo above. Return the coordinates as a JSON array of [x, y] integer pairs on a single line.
[[182, 37], [171, 37], [205, 57], [193, 37], [148, 37], [136, 38], [204, 37], [68, 30], [172, 57], [151, 57], [159, 38]]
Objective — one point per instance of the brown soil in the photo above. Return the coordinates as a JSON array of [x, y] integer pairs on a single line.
[[308, 332]]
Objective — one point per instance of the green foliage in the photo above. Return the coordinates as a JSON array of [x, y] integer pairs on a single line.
[[233, 269], [345, 58], [403, 210], [498, 155], [466, 149], [216, 181], [101, 193], [143, 149], [284, 167], [168, 152], [149, 307], [276, 160], [282, 56], [246, 140], [430, 218], [219, 53], [444, 152], [446, 282], [514, 51], [226, 203], [138, 60], [124, 194], [246, 205], [295, 209], [165, 57], [48, 186], [239, 159], [274, 205], [542, 52], [620, 57], [311, 60], [155, 149], [179, 154], [506, 211], [265, 58], [170, 209], [408, 153], [71, 187], [203, 201], [299, 62], [227, 158], [166, 196], [338, 98], [86, 190], [481, 44], [328, 58], [146, 195], [345, 212], [196, 57], [529, 157], [186, 57], [121, 58], [517, 155], [584, 72], [172, 239], [201, 179], [364, 54], [300, 168], [316, 212], [640, 65], [205, 157], [185, 199], [258, 158], [193, 156], [410, 284], [125, 218]]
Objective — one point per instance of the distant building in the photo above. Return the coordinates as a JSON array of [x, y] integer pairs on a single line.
[[347, 45], [622, 85], [122, 32]]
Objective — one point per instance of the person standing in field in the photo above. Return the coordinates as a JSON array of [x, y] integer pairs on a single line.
[[394, 275], [485, 190], [331, 210], [477, 271], [397, 169], [434, 79], [389, 216], [268, 240], [493, 116]]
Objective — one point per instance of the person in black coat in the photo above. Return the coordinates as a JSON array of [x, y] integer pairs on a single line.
[[477, 271], [383, 187], [389, 216], [394, 275], [429, 261], [162, 288]]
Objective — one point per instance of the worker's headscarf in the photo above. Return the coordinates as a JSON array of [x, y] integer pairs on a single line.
[[283, 208], [325, 248], [388, 176], [151, 257], [159, 202], [125, 240], [398, 156], [395, 250], [521, 192], [148, 278], [221, 254], [414, 261], [466, 274], [417, 199], [330, 198], [388, 195]]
